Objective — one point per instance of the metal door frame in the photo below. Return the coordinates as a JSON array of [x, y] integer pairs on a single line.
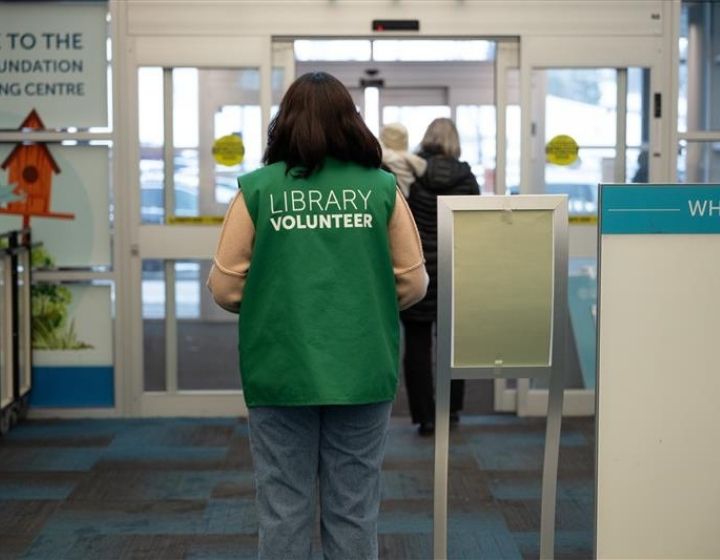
[[174, 242], [539, 52]]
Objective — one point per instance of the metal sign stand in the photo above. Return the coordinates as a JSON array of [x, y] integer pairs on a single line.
[[446, 372]]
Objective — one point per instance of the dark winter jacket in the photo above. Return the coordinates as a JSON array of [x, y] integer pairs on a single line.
[[444, 176]]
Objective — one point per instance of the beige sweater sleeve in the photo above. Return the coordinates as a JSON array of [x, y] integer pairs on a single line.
[[411, 279], [232, 257]]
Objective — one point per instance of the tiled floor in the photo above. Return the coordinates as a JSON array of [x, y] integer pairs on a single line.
[[180, 488]]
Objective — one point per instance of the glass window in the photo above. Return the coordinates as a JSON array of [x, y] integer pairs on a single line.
[[699, 73], [371, 104], [185, 84], [332, 50], [698, 109], [207, 355], [582, 104], [151, 129], [683, 78], [153, 289], [699, 162], [427, 50], [389, 50], [416, 119], [476, 126], [637, 126], [636, 165], [187, 290], [208, 105], [153, 317], [206, 344], [229, 119]]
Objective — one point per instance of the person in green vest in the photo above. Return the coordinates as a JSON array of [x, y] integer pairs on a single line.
[[318, 253]]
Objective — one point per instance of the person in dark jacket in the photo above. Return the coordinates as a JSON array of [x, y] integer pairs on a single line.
[[445, 175]]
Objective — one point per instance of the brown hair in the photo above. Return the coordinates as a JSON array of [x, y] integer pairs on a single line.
[[441, 137], [317, 118]]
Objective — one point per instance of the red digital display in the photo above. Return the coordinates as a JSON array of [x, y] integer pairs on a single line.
[[396, 25]]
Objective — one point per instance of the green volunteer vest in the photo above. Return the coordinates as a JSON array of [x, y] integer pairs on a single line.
[[318, 322]]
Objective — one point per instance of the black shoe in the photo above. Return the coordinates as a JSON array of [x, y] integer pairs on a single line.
[[426, 428]]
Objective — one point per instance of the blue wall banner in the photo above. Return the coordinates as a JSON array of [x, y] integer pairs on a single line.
[[663, 209]]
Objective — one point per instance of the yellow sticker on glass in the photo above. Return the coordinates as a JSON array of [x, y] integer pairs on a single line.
[[228, 150], [562, 150]]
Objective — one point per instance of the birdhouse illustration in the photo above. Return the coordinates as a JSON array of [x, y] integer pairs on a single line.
[[30, 168]]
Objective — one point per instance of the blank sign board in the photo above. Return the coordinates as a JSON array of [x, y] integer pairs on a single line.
[[502, 287], [658, 448]]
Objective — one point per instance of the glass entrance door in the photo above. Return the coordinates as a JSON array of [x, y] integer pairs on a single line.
[[586, 119], [200, 124], [591, 126], [605, 113]]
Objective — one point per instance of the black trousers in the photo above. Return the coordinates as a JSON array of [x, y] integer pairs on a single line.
[[418, 366]]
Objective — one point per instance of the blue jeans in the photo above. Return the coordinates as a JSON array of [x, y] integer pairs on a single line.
[[342, 448]]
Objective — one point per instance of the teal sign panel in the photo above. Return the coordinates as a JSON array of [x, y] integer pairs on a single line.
[[659, 209]]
